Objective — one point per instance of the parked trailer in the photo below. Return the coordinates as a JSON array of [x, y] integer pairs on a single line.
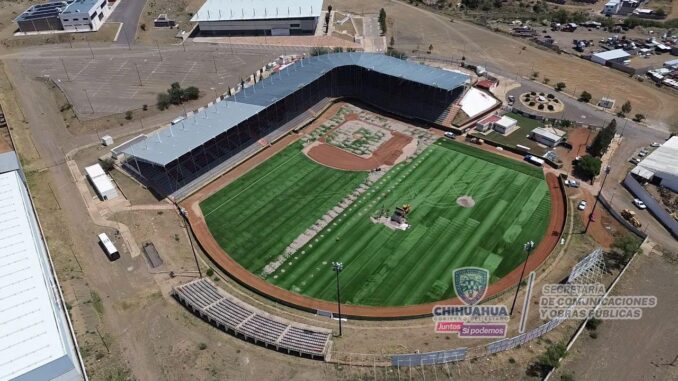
[[109, 248], [534, 160]]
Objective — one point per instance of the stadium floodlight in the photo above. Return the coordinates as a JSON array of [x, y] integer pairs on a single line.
[[527, 247], [338, 267]]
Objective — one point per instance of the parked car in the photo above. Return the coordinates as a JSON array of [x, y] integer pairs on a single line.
[[582, 205], [642, 153], [635, 160], [639, 203], [655, 144], [572, 183], [511, 98], [450, 135]]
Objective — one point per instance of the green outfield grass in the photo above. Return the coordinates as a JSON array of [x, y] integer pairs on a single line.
[[254, 222]]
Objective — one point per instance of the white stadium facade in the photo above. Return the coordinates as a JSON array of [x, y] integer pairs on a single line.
[[258, 17], [36, 339]]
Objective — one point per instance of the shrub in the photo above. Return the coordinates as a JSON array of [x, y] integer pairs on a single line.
[[560, 86], [143, 27], [192, 93], [163, 101], [144, 107], [585, 96], [209, 272], [128, 115], [202, 346], [639, 117], [626, 108], [593, 323]]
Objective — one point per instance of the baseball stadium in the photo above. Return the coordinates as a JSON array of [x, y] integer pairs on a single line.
[[340, 159]]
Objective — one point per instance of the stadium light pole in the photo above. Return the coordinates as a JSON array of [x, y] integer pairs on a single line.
[[528, 247], [595, 203], [337, 267]]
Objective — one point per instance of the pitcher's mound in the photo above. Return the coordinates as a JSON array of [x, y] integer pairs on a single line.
[[466, 202]]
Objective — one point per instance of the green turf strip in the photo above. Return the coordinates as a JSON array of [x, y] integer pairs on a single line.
[[383, 266]]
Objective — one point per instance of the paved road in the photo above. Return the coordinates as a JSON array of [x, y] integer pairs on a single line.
[[128, 13]]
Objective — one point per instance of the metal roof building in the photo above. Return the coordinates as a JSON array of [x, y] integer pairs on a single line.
[[36, 338], [280, 17], [617, 55], [663, 164], [405, 88], [41, 17]]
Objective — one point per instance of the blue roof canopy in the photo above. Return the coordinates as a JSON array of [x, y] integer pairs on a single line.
[[168, 144]]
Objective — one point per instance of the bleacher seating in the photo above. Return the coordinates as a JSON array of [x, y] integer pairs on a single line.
[[227, 312]]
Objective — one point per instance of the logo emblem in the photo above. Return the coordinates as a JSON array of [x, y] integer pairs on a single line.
[[470, 284]]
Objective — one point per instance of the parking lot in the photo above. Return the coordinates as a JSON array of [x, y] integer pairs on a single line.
[[120, 79]]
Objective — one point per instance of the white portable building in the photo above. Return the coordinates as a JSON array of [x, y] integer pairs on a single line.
[[101, 182]]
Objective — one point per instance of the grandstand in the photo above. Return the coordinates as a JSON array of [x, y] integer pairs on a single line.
[[227, 132], [226, 312]]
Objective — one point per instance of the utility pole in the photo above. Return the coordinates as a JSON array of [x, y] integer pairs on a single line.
[[66, 71], [88, 100], [600, 191], [159, 52], [337, 267], [528, 247], [138, 75]]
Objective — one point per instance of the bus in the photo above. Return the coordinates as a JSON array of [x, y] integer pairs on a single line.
[[534, 160], [109, 248]]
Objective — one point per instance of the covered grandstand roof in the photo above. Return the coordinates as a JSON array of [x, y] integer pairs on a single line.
[[229, 10], [168, 144], [36, 343]]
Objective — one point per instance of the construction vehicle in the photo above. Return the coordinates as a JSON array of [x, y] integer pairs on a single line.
[[630, 216]]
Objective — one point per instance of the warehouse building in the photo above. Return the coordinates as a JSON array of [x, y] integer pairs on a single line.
[[69, 15], [258, 17], [616, 56], [37, 341], [661, 166], [231, 129]]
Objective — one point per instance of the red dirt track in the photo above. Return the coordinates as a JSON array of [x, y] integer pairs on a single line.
[[335, 157], [253, 282]]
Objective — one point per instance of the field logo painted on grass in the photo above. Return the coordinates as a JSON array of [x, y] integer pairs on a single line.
[[470, 320]]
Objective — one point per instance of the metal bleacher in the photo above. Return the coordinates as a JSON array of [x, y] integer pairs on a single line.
[[232, 315]]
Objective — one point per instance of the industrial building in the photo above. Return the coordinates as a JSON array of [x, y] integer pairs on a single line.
[[37, 341], [258, 17], [612, 7], [231, 129], [67, 15], [617, 56], [661, 166]]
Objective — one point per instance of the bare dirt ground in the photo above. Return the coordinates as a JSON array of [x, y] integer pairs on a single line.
[[415, 28], [634, 349], [180, 11], [334, 157]]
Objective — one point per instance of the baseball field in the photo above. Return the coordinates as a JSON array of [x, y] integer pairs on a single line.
[[255, 218]]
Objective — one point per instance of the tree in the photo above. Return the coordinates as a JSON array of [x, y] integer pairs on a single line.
[[382, 20], [588, 167], [163, 101], [128, 115], [547, 80], [535, 75], [430, 48], [192, 93], [626, 108], [603, 139], [639, 117], [550, 359], [585, 96], [560, 86], [176, 93], [660, 12]]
